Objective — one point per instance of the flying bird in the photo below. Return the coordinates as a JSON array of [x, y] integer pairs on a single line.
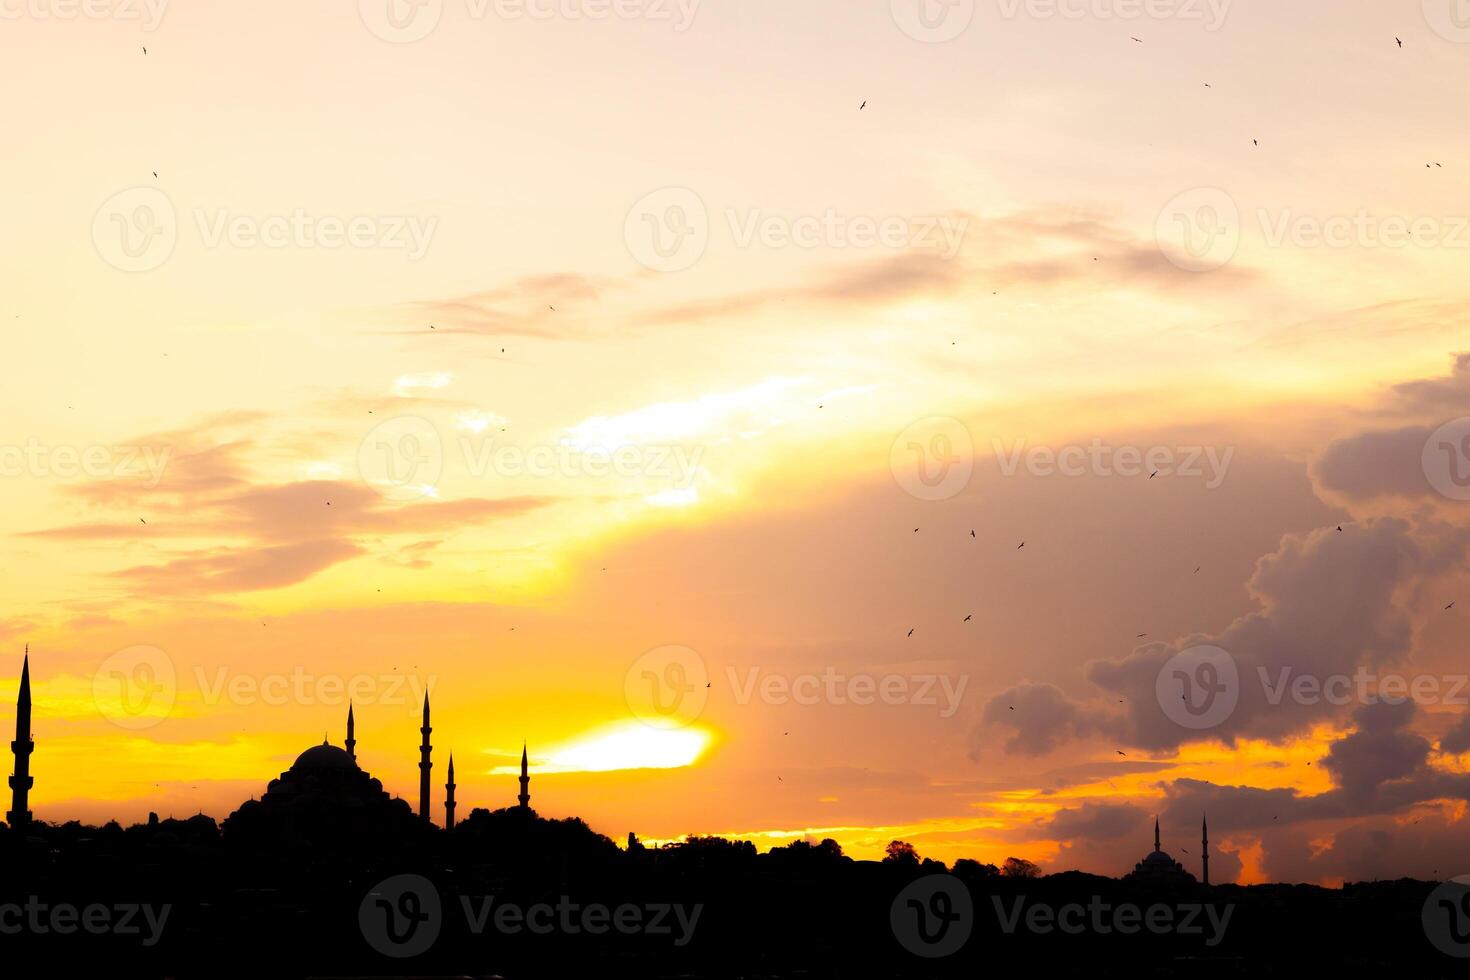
[[972, 534], [911, 632], [1138, 39], [1020, 546], [863, 106], [1140, 636], [1121, 752], [967, 618], [1400, 40], [1450, 606]]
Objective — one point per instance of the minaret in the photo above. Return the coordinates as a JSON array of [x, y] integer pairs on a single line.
[[1157, 846], [424, 764], [23, 746], [525, 796], [351, 742], [1204, 832], [449, 796]]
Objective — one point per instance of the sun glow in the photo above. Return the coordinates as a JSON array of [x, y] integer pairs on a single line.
[[626, 745]]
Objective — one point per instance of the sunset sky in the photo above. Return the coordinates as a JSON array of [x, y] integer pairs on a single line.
[[573, 349]]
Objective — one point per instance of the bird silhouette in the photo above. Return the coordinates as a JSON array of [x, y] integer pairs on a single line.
[[967, 618], [1020, 546], [1400, 40], [863, 106], [911, 632]]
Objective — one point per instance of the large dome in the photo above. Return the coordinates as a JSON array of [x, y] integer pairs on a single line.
[[323, 756]]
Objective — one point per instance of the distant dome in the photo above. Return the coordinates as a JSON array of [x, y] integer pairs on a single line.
[[1160, 858], [323, 756]]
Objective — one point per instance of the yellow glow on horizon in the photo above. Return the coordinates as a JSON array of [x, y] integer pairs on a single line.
[[625, 745]]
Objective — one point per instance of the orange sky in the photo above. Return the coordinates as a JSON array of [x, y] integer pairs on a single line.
[[492, 360]]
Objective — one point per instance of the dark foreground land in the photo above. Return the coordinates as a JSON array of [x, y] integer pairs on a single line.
[[509, 894]]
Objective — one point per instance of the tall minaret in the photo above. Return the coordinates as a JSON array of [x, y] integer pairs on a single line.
[[23, 746], [1204, 832], [351, 742], [424, 764], [449, 796], [1157, 845], [525, 796]]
